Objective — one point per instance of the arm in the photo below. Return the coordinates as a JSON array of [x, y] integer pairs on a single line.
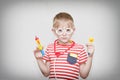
[[85, 67], [43, 66]]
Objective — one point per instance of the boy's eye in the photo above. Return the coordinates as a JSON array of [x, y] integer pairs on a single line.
[[69, 30], [60, 30]]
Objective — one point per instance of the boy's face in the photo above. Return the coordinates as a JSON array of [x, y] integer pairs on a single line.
[[64, 31]]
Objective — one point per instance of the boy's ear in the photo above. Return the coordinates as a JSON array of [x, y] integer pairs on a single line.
[[74, 29], [52, 30]]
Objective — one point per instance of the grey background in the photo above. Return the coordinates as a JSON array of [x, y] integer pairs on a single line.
[[22, 20]]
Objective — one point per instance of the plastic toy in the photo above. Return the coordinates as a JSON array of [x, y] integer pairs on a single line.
[[39, 45], [91, 39]]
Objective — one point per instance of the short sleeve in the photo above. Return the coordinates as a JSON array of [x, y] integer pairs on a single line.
[[83, 55]]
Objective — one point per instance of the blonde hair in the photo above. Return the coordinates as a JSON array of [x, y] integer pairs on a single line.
[[65, 17]]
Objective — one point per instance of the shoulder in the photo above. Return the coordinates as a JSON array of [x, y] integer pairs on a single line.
[[50, 46], [80, 46]]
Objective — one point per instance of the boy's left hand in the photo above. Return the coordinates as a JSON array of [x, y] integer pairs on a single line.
[[90, 49]]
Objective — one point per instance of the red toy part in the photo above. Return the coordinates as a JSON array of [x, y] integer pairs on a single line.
[[57, 54], [36, 38]]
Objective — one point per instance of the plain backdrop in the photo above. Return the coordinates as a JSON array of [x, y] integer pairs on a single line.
[[22, 20]]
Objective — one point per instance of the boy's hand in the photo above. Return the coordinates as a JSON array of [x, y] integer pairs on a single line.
[[90, 49], [37, 54]]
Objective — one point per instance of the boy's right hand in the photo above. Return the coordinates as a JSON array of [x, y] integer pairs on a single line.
[[37, 54]]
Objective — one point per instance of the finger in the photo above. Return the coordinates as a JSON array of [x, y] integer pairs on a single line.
[[36, 51], [89, 44], [37, 48], [90, 47], [38, 55], [42, 47]]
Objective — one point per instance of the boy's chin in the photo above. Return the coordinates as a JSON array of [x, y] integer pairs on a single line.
[[64, 41]]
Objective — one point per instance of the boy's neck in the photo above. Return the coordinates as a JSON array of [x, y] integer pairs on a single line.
[[64, 43]]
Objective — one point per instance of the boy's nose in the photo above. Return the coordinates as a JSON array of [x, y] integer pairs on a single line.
[[64, 33]]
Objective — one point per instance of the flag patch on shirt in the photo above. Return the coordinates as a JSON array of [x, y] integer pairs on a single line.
[[73, 55]]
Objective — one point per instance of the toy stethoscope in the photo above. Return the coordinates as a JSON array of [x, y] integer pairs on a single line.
[[70, 59], [59, 53]]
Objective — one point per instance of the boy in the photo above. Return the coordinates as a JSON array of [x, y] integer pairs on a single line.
[[65, 59]]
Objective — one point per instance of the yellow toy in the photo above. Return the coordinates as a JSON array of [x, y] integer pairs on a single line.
[[91, 39]]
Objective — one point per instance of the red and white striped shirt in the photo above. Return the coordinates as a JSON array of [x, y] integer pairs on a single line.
[[59, 67]]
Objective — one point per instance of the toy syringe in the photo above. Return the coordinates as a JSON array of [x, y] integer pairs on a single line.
[[39, 46]]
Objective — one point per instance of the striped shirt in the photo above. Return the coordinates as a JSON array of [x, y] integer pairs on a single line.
[[60, 68]]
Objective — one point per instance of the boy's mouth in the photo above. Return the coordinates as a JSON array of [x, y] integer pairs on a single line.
[[64, 38]]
